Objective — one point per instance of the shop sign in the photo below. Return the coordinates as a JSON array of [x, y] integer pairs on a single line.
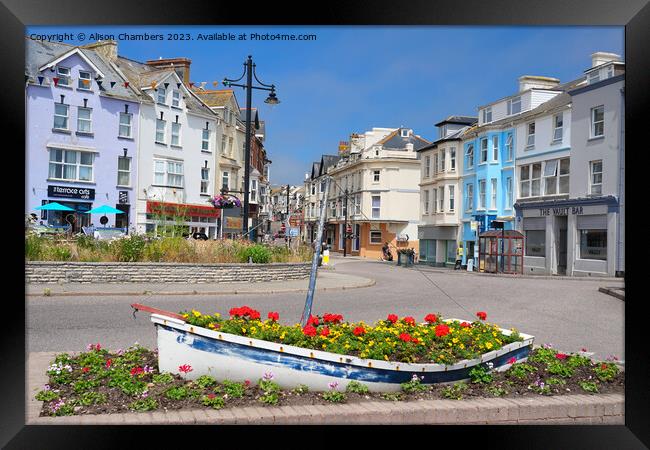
[[123, 197], [71, 192], [562, 211], [182, 210], [235, 223]]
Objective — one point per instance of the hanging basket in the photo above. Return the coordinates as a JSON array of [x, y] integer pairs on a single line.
[[225, 201]]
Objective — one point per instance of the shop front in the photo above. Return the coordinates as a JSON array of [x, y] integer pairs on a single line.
[[575, 237], [179, 219], [77, 198], [438, 245]]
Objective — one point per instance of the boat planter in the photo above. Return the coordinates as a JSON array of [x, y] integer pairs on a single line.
[[239, 358]]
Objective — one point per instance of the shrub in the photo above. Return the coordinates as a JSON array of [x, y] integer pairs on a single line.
[[455, 391], [520, 370], [270, 391], [497, 391], [606, 371], [334, 396], [480, 374], [357, 388], [558, 368], [213, 401], [205, 381], [233, 389], [33, 247], [163, 378], [259, 254], [589, 386], [129, 249], [46, 395], [177, 393], [92, 398]]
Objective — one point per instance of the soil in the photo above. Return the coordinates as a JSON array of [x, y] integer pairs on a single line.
[[118, 402]]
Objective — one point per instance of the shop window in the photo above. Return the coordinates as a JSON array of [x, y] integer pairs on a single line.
[[451, 251], [593, 244], [535, 242], [375, 237]]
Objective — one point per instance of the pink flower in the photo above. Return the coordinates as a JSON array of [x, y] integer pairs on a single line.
[[247, 383], [185, 368], [560, 356], [512, 360], [466, 325]]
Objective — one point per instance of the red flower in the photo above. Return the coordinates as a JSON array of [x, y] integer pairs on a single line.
[[235, 312], [415, 340], [137, 371], [409, 320], [254, 314], [211, 396], [245, 311], [332, 318], [481, 315], [108, 363], [583, 349], [309, 330], [405, 337], [358, 331], [512, 360], [442, 330], [325, 331], [431, 318], [312, 320], [85, 369], [392, 318], [274, 316], [466, 325], [603, 366], [560, 356], [247, 383], [185, 368]]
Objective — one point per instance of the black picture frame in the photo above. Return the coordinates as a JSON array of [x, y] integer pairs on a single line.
[[634, 15]]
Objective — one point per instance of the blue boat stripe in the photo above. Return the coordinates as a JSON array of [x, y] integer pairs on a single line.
[[330, 368]]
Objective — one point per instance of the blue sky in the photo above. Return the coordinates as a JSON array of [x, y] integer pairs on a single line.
[[353, 78]]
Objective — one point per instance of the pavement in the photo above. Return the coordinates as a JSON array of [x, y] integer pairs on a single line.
[[599, 409], [327, 280]]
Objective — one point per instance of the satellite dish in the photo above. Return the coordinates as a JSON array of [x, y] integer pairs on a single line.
[[103, 220]]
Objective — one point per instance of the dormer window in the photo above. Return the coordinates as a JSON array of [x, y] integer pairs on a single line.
[[176, 98], [84, 80], [405, 132], [514, 106], [443, 131], [162, 93], [63, 73], [487, 115], [594, 77]]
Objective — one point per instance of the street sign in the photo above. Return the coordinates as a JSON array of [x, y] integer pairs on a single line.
[[294, 232]]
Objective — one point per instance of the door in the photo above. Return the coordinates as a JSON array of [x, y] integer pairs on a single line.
[[562, 246]]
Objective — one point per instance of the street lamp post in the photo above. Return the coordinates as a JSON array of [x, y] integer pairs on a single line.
[[249, 72]]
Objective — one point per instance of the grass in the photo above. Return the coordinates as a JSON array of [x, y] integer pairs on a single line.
[[165, 249]]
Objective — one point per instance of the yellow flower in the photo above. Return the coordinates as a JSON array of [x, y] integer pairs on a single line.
[[196, 313], [386, 357], [210, 325], [243, 330], [455, 340], [217, 315], [185, 316], [253, 329], [462, 346], [488, 345], [324, 345]]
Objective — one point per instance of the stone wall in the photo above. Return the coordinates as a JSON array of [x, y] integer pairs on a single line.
[[87, 272]]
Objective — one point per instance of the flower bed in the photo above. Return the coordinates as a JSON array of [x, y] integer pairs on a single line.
[[98, 382]]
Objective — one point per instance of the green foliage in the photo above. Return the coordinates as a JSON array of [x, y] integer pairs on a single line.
[[559, 368], [520, 370], [233, 389], [555, 381], [589, 386], [578, 361], [84, 385], [480, 374], [606, 371], [59, 253], [177, 393], [356, 387], [92, 398], [33, 247], [205, 381], [122, 379], [260, 254], [334, 396], [415, 385], [543, 355], [46, 396], [455, 391], [66, 409], [129, 249], [540, 387], [392, 396], [301, 389], [144, 404], [270, 392], [163, 378], [497, 391], [213, 401]]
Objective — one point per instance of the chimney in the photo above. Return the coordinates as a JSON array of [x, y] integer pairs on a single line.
[[108, 49], [409, 146], [535, 82], [180, 65], [599, 58]]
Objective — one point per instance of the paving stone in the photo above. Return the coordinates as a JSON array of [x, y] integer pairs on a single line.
[[187, 417], [288, 416]]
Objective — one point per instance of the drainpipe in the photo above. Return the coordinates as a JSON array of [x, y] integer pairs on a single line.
[[621, 187]]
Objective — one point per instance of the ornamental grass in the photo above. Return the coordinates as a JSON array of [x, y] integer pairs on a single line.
[[393, 339]]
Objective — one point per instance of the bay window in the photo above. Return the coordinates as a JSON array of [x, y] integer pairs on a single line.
[[470, 197], [376, 205], [441, 199], [427, 162], [493, 202], [495, 148], [484, 150], [434, 203], [452, 159], [451, 198], [442, 160], [426, 201], [481, 194], [509, 153], [470, 156]]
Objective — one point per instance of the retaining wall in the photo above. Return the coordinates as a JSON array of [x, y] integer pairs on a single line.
[[87, 272]]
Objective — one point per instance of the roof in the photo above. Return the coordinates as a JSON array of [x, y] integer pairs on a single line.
[[41, 53], [456, 135], [214, 98], [326, 161], [254, 116], [395, 141], [463, 120], [315, 170]]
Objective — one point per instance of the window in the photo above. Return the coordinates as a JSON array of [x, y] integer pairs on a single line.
[[514, 106], [84, 80], [341, 236], [230, 146], [375, 237], [481, 194], [495, 148], [224, 180], [427, 162], [451, 198], [452, 159], [205, 179], [176, 98], [376, 204], [224, 140], [564, 176], [205, 140], [487, 115], [484, 150], [594, 77], [530, 139], [322, 186], [405, 132], [162, 93], [426, 201], [598, 121], [84, 122], [125, 125], [508, 193], [530, 176], [435, 163], [451, 251], [357, 204], [332, 209], [375, 176], [434, 203], [376, 152], [176, 133], [168, 173], [441, 199], [63, 73], [160, 131], [470, 197], [61, 116], [509, 153], [593, 244], [550, 177], [536, 243], [442, 160], [123, 171], [71, 165], [493, 202], [596, 177], [470, 156], [557, 127], [253, 191]]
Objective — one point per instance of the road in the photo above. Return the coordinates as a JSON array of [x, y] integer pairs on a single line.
[[569, 314]]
